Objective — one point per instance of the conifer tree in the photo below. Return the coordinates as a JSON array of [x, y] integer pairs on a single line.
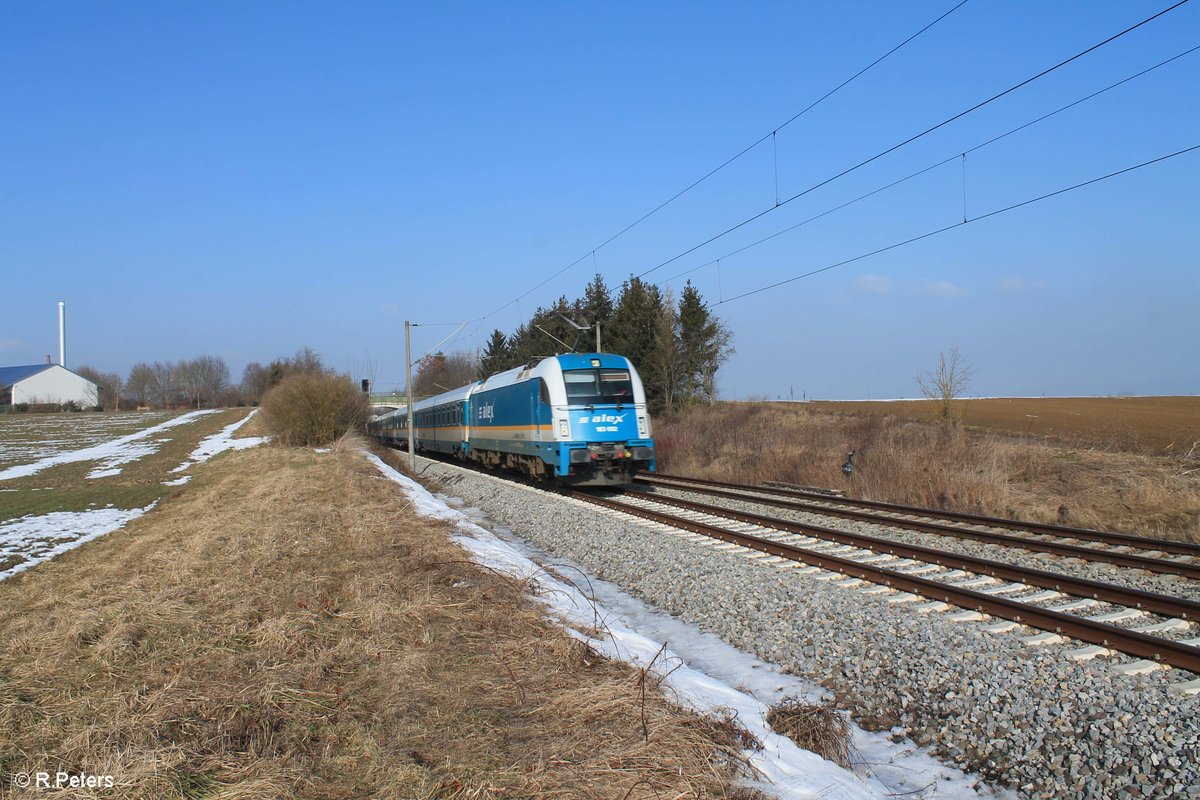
[[676, 348], [704, 345], [595, 308], [634, 332], [497, 357]]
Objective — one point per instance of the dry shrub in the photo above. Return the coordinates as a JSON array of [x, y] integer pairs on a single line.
[[817, 727], [313, 409]]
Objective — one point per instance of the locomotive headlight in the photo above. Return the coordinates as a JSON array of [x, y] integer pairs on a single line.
[[643, 427], [564, 429]]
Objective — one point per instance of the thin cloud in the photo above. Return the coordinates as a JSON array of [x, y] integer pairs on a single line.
[[1019, 284], [11, 344], [874, 284], [943, 289]]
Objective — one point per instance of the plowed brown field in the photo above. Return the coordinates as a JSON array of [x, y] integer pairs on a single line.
[[1149, 423]]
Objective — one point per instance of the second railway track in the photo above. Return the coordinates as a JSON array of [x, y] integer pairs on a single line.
[[961, 526], [770, 538]]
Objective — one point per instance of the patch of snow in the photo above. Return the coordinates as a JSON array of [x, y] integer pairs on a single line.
[[321, 449], [178, 481], [705, 681], [131, 452], [221, 441], [113, 453], [40, 538], [104, 473]]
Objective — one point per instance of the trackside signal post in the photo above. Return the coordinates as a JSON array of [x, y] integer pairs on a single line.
[[412, 451]]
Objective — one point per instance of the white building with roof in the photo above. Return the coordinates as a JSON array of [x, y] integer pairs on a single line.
[[45, 384]]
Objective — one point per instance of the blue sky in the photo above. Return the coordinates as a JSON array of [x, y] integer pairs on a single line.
[[244, 179]]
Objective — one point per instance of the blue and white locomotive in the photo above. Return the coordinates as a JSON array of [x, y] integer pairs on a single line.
[[578, 418]]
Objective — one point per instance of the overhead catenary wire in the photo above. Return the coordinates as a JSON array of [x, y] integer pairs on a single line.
[[913, 175], [451, 335], [920, 135], [937, 164], [930, 234], [731, 159]]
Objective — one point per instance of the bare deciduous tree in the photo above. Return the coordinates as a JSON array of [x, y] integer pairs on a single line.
[[139, 386], [256, 379], [946, 383], [108, 387], [306, 361], [187, 380], [439, 372], [164, 388], [203, 379], [212, 378]]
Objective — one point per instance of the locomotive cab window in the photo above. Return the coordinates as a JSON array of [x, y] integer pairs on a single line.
[[598, 386]]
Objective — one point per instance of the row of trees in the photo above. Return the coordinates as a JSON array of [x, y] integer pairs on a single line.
[[199, 382], [677, 347], [202, 382]]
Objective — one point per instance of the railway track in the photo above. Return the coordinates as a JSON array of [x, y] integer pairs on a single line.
[[906, 657], [967, 582], [973, 584], [979, 528]]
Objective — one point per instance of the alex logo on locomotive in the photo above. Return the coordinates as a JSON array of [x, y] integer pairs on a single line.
[[603, 423]]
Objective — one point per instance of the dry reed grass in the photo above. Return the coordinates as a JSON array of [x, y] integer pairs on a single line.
[[919, 463], [286, 627], [818, 727]]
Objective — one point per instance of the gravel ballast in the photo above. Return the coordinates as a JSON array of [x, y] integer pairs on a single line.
[[1028, 717]]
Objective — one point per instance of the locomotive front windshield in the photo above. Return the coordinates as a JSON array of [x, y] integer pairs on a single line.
[[591, 387]]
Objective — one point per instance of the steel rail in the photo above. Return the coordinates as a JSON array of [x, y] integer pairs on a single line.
[[1160, 565], [1086, 534], [1166, 605], [1099, 633]]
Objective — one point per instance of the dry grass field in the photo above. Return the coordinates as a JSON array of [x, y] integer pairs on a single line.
[[285, 626], [1099, 472], [1136, 424]]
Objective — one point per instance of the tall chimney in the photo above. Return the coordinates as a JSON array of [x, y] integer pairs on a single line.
[[62, 333]]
